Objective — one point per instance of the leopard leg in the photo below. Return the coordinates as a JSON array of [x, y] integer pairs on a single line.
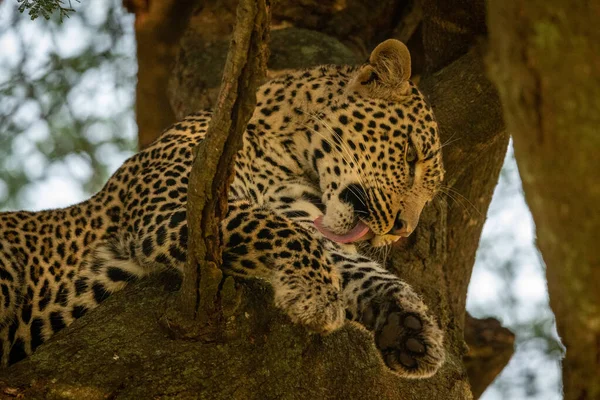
[[152, 242], [11, 288], [111, 266], [259, 243], [13, 295], [265, 244], [407, 336]]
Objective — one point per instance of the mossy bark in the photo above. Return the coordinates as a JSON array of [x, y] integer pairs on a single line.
[[122, 352], [546, 63]]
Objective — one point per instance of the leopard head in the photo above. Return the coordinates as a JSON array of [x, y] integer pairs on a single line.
[[377, 153]]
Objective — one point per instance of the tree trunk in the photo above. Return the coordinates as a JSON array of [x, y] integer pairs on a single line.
[[122, 349], [159, 25], [546, 63]]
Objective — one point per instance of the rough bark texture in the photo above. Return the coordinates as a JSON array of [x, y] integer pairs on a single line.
[[546, 63]]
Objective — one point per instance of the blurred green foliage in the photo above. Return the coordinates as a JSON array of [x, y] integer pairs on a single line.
[[45, 8], [66, 99]]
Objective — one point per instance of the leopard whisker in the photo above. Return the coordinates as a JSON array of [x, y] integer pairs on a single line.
[[456, 196]]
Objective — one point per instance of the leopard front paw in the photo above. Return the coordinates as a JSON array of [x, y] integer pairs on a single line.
[[410, 343], [408, 338], [319, 308]]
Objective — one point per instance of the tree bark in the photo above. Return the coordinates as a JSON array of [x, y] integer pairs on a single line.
[[546, 63], [490, 348], [449, 29]]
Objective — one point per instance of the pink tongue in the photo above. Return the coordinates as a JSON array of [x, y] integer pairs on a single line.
[[360, 230]]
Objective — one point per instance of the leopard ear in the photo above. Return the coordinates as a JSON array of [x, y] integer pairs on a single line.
[[386, 73]]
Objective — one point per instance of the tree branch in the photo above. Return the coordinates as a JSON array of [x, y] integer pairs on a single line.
[[212, 171], [490, 348]]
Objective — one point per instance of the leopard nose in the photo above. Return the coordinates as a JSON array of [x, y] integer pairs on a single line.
[[401, 227]]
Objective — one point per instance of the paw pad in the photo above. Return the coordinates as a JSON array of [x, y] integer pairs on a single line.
[[412, 322], [406, 360], [415, 346]]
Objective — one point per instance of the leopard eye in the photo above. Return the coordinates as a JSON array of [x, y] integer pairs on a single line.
[[411, 154]]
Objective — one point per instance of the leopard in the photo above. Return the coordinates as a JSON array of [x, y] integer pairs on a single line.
[[334, 158]]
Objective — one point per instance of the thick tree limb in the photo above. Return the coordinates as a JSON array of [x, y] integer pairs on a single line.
[[546, 63]]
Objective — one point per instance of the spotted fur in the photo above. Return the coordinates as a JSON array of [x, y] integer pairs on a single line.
[[344, 143]]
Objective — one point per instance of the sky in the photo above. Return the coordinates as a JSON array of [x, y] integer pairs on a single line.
[[508, 279]]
